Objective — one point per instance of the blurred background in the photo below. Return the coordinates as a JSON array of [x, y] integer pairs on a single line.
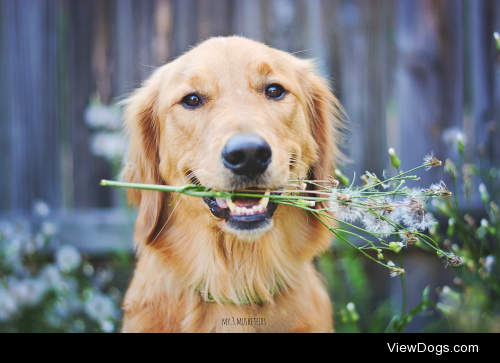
[[415, 75]]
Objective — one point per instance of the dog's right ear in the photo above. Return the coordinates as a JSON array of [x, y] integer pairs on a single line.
[[142, 127]]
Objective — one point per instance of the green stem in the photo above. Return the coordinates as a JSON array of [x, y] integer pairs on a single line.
[[403, 286]]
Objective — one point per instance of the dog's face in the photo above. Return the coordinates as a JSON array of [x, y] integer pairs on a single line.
[[231, 114]]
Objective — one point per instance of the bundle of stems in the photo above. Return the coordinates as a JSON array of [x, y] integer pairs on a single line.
[[381, 209]]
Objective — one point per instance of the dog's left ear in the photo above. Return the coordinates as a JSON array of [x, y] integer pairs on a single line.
[[325, 114], [142, 126]]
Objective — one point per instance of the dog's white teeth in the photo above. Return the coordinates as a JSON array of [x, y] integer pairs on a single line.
[[264, 201], [231, 205], [244, 211]]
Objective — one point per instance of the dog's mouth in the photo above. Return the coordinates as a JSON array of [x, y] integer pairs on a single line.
[[244, 213]]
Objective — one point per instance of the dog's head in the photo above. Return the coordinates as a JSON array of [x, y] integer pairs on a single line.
[[230, 114]]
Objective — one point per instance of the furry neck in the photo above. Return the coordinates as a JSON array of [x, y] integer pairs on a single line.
[[200, 255]]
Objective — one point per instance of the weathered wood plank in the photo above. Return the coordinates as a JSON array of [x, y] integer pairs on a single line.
[[429, 83], [248, 19], [184, 28], [88, 169], [363, 59], [482, 76], [30, 121]]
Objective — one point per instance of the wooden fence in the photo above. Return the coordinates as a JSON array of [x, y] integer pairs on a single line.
[[405, 70]]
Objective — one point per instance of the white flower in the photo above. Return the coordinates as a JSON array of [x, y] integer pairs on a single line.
[[107, 326], [68, 258], [394, 269], [488, 262], [100, 308], [6, 230], [102, 116], [51, 276], [27, 292], [452, 135], [8, 305], [49, 229], [41, 209], [65, 306], [110, 146]]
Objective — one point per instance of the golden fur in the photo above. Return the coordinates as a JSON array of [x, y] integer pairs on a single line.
[[181, 245]]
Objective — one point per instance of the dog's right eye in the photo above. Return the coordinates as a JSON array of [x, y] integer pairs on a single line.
[[191, 100]]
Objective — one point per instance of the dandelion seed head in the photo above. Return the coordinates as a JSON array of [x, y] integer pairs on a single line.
[[415, 193], [375, 224], [451, 259], [440, 189], [414, 216], [344, 212], [394, 269], [409, 237], [431, 161]]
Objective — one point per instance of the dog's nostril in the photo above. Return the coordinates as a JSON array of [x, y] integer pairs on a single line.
[[263, 154], [235, 157], [247, 154]]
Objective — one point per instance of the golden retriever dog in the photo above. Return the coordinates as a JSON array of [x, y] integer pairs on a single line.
[[230, 114]]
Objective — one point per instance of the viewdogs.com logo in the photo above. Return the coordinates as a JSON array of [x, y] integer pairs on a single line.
[[429, 348]]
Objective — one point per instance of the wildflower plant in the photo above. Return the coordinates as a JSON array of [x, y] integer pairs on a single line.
[[386, 209], [47, 286], [385, 214], [472, 239]]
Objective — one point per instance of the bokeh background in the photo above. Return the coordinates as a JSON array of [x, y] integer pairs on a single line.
[[411, 74]]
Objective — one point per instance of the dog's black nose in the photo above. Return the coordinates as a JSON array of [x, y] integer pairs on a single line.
[[247, 154]]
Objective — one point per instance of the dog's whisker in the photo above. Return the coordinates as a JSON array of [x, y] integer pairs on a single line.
[[146, 65], [301, 51]]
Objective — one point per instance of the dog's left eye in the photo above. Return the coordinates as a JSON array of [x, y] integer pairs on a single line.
[[274, 91], [192, 100]]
